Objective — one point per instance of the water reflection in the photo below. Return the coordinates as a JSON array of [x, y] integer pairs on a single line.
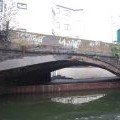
[[101, 117], [99, 105], [77, 99]]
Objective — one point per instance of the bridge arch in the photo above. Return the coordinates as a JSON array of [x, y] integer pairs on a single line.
[[85, 61], [40, 73]]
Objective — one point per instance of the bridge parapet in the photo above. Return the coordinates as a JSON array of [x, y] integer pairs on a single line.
[[40, 43]]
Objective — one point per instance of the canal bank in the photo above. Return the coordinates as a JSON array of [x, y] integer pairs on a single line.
[[93, 79], [65, 87]]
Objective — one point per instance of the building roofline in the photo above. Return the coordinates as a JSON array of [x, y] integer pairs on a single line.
[[69, 8]]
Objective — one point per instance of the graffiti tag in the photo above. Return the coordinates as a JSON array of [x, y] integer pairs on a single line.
[[70, 43], [30, 37]]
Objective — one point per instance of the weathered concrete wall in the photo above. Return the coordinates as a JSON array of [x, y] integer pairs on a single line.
[[62, 87], [38, 42], [6, 54], [23, 44]]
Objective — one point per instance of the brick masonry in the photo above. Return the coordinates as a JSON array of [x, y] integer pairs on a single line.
[[62, 87]]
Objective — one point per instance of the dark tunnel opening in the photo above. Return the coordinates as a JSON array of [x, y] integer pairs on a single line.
[[39, 73]]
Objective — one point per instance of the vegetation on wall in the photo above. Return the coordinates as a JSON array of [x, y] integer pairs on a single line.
[[7, 17], [23, 44], [116, 50]]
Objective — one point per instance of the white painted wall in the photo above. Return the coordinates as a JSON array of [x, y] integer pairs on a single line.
[[66, 16]]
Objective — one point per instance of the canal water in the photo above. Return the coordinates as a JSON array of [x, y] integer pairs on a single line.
[[83, 105]]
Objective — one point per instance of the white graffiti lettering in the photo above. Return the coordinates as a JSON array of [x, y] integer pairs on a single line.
[[30, 37], [92, 44], [70, 43], [97, 43]]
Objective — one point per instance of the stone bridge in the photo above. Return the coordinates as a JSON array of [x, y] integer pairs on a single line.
[[30, 58]]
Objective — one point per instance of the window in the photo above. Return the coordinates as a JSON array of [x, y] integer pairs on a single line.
[[1, 5], [57, 25], [67, 26], [67, 12], [21, 29], [0, 27], [22, 6], [57, 10]]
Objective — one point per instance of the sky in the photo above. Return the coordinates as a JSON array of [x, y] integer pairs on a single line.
[[101, 17]]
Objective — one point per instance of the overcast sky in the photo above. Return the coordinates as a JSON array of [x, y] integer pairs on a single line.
[[101, 17]]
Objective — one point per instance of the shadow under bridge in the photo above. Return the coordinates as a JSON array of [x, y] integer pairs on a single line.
[[41, 73]]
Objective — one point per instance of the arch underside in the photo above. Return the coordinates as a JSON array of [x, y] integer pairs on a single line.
[[40, 73], [39, 69], [64, 64]]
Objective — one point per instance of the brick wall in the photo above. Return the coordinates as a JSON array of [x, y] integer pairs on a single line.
[[63, 87]]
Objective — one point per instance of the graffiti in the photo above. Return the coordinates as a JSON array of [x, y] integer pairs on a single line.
[[95, 43], [70, 43], [30, 37], [92, 44], [107, 45], [19, 38]]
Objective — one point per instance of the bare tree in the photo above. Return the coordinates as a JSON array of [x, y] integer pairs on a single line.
[[7, 16]]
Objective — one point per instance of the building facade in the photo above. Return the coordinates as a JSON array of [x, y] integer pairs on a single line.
[[67, 21], [45, 18]]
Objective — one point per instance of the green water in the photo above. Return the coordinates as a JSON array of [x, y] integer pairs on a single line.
[[88, 105]]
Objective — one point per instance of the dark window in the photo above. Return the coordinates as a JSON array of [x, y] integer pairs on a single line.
[[0, 27], [67, 26], [21, 29], [67, 12], [22, 6], [1, 5], [58, 25], [57, 10]]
